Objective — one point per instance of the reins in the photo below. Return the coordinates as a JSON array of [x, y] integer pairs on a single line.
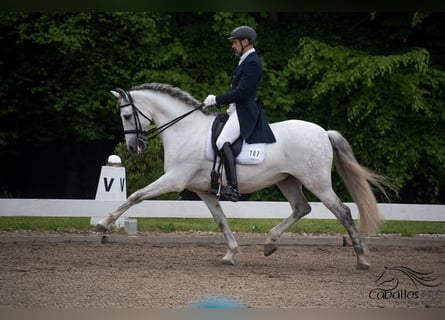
[[152, 133]]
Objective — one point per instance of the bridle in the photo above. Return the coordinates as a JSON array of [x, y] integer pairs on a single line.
[[143, 135]]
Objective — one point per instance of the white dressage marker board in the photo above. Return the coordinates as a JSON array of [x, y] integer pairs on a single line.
[[112, 186]]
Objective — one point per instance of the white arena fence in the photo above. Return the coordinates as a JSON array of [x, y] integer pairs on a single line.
[[197, 209]]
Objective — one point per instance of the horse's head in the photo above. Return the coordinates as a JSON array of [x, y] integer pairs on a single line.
[[148, 103], [134, 121]]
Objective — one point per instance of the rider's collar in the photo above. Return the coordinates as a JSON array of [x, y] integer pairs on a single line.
[[245, 54]]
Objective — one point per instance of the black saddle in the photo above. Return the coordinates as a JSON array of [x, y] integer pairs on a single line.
[[217, 126]]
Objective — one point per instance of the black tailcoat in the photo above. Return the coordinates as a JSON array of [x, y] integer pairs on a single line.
[[245, 80]]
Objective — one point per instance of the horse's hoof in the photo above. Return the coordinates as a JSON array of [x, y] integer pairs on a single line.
[[100, 228], [269, 248], [363, 265], [228, 260]]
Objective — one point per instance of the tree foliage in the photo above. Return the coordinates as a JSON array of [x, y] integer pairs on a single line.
[[376, 77], [142, 169], [380, 102]]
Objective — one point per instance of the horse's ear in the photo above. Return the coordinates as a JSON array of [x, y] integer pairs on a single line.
[[122, 93], [119, 93], [114, 93]]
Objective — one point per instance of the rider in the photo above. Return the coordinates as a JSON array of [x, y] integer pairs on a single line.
[[246, 118]]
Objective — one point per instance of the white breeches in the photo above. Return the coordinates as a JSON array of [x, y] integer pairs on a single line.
[[231, 130]]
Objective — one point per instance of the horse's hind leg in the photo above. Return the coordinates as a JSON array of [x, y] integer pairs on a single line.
[[215, 208], [343, 214], [291, 188]]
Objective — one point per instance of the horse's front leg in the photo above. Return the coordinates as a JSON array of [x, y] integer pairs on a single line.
[[166, 183], [220, 218]]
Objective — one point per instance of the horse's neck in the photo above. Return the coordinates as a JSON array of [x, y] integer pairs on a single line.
[[186, 135], [186, 140], [162, 107]]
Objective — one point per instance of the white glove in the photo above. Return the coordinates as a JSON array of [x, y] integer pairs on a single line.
[[210, 100]]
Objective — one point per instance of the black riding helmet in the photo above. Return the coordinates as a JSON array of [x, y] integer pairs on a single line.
[[243, 32]]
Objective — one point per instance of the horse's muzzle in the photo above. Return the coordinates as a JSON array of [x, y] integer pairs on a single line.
[[141, 146]]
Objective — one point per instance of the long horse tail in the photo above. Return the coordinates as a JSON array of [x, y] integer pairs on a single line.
[[358, 181]]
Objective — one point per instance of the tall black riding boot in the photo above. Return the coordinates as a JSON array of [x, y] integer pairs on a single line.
[[229, 192]]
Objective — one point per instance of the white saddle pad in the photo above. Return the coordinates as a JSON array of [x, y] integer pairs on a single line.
[[250, 153]]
